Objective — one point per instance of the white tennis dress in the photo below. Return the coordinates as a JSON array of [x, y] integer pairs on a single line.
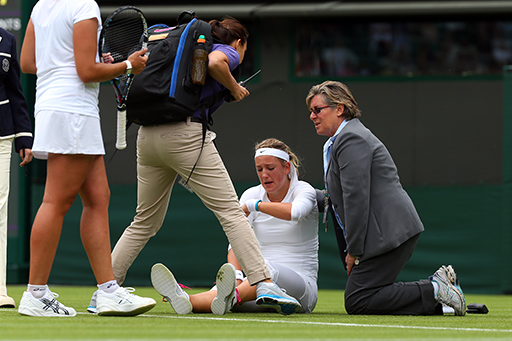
[[66, 111]]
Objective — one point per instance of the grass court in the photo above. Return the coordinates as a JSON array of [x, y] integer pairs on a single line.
[[329, 321]]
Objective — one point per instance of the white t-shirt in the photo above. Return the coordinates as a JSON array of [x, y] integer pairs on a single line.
[[58, 86], [292, 243]]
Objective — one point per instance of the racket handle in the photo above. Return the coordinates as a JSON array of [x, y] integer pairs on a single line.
[[121, 129]]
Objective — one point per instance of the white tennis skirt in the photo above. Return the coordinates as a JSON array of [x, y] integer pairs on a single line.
[[66, 133]]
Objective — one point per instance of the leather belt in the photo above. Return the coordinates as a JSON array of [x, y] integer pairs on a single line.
[[194, 119]]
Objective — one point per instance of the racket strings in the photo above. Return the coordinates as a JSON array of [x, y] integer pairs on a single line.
[[122, 36]]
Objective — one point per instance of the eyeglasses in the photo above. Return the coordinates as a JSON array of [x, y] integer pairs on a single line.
[[317, 110]]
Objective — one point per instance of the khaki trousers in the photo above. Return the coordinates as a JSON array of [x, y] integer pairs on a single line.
[[163, 152]]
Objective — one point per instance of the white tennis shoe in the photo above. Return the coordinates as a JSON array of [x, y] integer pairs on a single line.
[[164, 282], [44, 306], [226, 290], [270, 295], [450, 292], [92, 305], [122, 303]]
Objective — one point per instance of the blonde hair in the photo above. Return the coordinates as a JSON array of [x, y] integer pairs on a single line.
[[275, 143], [334, 94]]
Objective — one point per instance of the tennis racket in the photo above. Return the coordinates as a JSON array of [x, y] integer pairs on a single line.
[[124, 32]]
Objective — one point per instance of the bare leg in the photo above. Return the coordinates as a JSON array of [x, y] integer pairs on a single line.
[[246, 291], [202, 302], [66, 175], [94, 227]]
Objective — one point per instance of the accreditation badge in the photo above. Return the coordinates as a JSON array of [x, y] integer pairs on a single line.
[[5, 65]]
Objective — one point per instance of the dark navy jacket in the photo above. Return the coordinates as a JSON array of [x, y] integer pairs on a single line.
[[14, 119]]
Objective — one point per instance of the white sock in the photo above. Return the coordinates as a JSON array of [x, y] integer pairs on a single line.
[[436, 288], [239, 275], [448, 310], [37, 291], [109, 287]]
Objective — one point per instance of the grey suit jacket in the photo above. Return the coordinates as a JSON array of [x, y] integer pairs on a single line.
[[365, 190]]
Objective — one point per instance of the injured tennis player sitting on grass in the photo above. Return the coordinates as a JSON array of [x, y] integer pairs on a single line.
[[284, 215]]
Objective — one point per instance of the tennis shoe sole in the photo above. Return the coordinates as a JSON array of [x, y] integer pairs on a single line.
[[166, 285], [226, 294]]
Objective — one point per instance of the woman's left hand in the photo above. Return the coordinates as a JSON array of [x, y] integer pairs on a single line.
[[350, 260], [26, 155], [239, 93], [244, 208]]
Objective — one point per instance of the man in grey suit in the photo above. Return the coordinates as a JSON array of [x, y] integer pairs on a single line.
[[378, 220]]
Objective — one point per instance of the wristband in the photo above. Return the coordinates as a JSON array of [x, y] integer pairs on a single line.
[[252, 205], [128, 67], [256, 206]]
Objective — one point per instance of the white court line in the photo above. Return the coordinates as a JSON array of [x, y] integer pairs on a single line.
[[331, 324]]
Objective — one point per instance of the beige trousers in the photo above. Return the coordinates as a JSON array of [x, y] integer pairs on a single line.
[[163, 152]]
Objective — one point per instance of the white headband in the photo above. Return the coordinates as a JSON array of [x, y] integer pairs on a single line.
[[272, 152]]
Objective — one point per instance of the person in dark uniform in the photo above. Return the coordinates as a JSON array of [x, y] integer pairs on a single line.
[[15, 126]]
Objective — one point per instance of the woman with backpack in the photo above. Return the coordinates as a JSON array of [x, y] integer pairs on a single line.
[[167, 150]]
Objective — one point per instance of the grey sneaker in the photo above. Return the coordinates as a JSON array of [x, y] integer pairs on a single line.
[[122, 303], [44, 306], [226, 290], [271, 296], [92, 305], [449, 291], [164, 282]]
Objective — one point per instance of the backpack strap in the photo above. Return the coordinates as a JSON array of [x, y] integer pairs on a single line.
[[206, 104], [177, 60], [185, 13]]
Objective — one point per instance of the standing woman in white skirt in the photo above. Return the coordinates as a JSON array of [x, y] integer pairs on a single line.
[[60, 47]]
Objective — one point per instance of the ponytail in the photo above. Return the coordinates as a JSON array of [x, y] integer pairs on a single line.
[[228, 30]]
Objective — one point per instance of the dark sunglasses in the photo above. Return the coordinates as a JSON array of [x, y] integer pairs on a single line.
[[317, 110]]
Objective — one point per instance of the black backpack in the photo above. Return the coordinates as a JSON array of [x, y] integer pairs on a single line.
[[164, 91]]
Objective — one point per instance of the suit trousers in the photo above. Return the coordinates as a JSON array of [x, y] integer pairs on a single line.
[[371, 287], [5, 169], [163, 152]]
